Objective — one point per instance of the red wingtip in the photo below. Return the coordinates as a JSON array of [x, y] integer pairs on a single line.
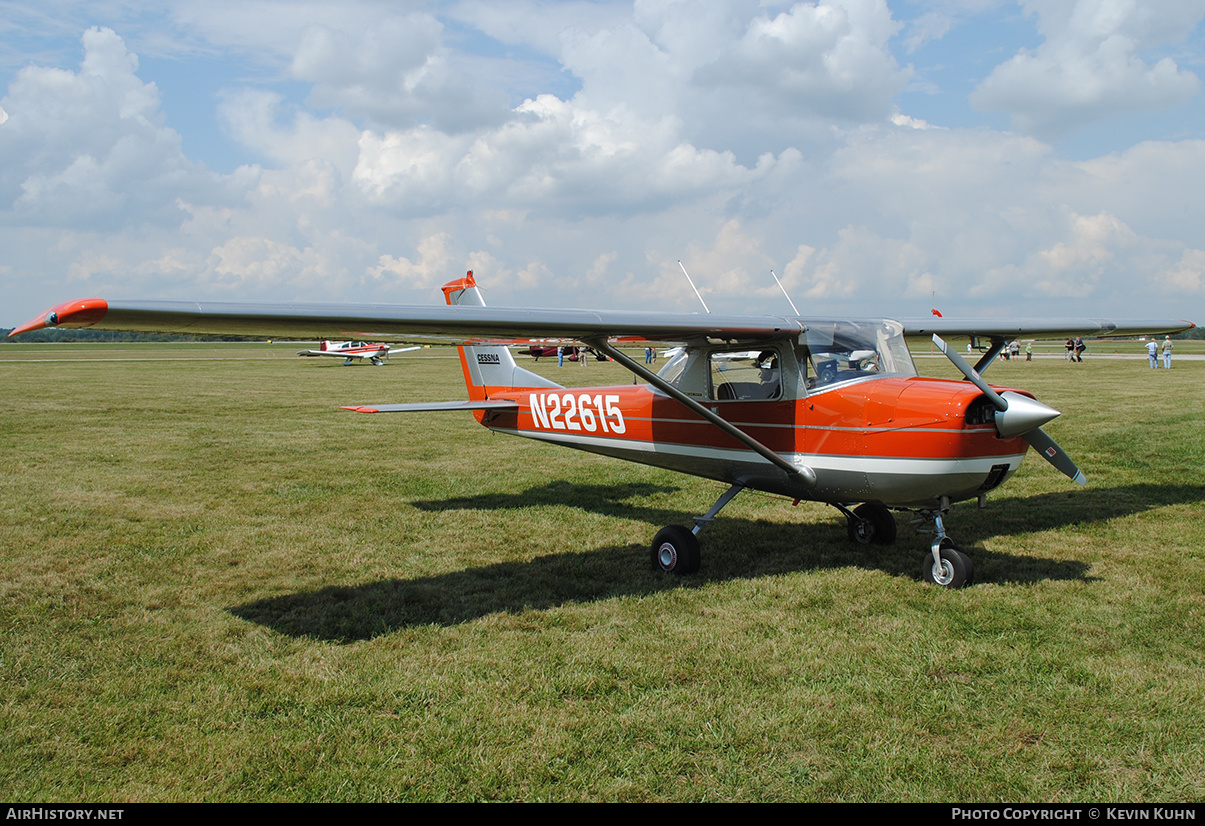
[[82, 313], [361, 409], [33, 324]]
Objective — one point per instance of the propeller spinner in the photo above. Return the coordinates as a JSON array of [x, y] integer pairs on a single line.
[[1018, 415]]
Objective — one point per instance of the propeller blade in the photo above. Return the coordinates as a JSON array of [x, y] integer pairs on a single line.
[[973, 377], [1051, 452]]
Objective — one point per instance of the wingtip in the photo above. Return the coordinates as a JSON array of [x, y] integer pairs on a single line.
[[81, 313], [39, 323], [35, 324], [360, 409]]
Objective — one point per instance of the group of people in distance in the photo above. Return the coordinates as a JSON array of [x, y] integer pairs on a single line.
[[1152, 353], [1075, 348], [1013, 351]]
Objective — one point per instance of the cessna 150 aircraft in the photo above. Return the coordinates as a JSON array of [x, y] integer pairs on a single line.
[[830, 410], [377, 354]]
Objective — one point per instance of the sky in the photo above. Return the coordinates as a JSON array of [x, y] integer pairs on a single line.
[[982, 157]]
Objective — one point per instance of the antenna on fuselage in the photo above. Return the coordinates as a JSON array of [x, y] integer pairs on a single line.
[[784, 292], [692, 286]]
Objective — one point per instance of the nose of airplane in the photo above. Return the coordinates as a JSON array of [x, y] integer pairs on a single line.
[[1022, 415]]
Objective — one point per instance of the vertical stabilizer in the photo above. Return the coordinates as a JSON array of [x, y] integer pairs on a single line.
[[488, 368]]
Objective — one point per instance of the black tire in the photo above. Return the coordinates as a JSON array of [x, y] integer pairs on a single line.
[[956, 570], [675, 550], [970, 567], [874, 524], [966, 558]]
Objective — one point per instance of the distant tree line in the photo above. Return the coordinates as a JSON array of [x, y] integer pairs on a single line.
[[62, 334]]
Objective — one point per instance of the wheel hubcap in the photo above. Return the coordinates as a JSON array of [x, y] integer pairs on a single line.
[[667, 555], [943, 574]]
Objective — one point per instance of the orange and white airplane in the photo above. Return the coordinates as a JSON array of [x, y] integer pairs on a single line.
[[829, 410], [349, 351]]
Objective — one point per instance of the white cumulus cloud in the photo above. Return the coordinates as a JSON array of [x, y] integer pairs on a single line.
[[554, 154], [1092, 65], [89, 148]]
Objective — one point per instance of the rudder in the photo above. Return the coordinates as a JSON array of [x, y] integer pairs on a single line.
[[487, 368]]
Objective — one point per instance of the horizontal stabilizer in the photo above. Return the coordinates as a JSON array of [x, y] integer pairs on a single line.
[[423, 407]]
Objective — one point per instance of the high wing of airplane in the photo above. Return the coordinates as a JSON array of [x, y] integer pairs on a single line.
[[349, 351], [823, 409]]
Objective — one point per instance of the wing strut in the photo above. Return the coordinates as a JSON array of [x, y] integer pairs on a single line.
[[804, 473], [989, 358]]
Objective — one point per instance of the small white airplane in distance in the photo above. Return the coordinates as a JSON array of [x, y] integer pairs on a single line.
[[378, 354]]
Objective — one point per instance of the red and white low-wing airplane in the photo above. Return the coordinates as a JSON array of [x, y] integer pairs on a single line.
[[830, 410], [349, 351]]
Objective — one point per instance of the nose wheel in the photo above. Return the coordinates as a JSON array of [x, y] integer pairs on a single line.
[[948, 566]]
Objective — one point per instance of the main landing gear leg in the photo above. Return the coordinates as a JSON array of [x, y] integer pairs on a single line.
[[947, 565], [676, 550]]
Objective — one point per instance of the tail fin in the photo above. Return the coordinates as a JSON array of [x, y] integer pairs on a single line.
[[488, 368]]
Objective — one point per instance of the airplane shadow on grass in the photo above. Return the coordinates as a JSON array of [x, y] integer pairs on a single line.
[[609, 500], [732, 549]]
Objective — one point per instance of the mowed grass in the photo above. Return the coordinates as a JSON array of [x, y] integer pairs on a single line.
[[216, 585]]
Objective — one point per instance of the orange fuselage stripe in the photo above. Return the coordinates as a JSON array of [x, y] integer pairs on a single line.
[[866, 420]]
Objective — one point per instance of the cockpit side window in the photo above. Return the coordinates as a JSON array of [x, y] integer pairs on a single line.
[[746, 375]]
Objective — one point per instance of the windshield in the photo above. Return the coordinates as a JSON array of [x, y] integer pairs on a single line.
[[840, 351]]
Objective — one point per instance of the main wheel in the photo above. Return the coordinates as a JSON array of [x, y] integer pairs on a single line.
[[675, 551], [874, 524], [955, 570]]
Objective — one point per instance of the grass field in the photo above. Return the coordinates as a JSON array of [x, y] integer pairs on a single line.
[[218, 586]]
